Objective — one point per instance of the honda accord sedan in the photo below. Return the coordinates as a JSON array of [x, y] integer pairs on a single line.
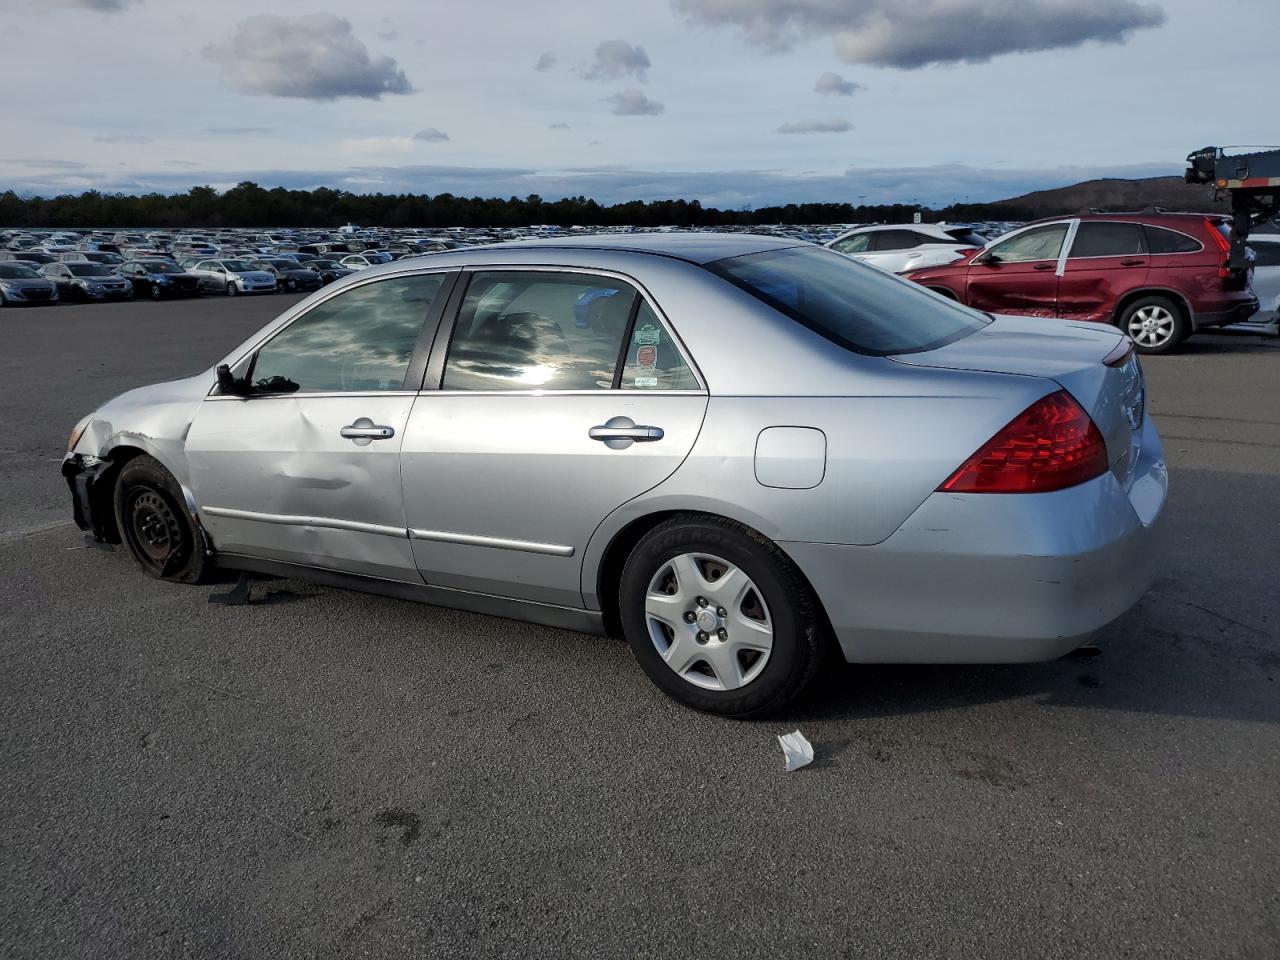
[[741, 453]]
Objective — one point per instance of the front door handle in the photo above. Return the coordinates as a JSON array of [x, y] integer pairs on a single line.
[[1045, 266], [618, 433], [364, 431]]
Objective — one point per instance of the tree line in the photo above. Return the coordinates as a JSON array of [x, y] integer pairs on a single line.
[[250, 205]]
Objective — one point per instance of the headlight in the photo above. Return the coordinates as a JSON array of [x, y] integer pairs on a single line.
[[76, 433]]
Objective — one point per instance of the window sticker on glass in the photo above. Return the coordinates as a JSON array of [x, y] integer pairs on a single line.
[[653, 362], [647, 334]]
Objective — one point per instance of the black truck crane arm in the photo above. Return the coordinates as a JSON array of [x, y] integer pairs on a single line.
[[1251, 181]]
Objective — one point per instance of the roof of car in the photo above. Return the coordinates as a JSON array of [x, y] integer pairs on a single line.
[[694, 247], [1141, 216]]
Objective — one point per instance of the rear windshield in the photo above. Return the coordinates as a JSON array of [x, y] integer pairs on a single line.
[[858, 307]]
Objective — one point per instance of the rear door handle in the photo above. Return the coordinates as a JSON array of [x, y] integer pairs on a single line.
[[1133, 263], [364, 431], [618, 433]]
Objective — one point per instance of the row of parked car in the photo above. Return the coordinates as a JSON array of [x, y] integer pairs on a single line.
[[1159, 276]]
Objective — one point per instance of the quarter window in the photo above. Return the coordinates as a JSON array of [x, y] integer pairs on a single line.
[[653, 361], [1160, 240], [1102, 239], [534, 330], [1038, 243], [361, 340]]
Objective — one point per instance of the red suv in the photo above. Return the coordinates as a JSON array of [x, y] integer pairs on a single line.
[[1158, 276]]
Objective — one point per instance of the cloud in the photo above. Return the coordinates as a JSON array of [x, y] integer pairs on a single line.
[[915, 33], [312, 57], [834, 84], [121, 138], [633, 103], [617, 58], [375, 146], [431, 135], [236, 131], [101, 6], [558, 126], [816, 126], [386, 35], [187, 164], [545, 62]]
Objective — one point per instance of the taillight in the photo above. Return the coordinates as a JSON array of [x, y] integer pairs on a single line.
[[1224, 245], [1051, 445]]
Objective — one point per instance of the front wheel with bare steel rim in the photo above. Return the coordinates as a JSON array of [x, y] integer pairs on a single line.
[[719, 617], [155, 524]]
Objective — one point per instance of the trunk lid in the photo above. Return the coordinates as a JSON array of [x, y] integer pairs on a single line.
[[1071, 354]]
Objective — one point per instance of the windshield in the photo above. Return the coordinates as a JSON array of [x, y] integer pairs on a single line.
[[11, 271], [858, 307], [88, 270]]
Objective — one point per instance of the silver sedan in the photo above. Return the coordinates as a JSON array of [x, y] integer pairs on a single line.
[[741, 453]]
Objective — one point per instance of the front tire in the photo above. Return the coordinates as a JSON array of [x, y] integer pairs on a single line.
[[154, 522], [720, 618], [1156, 325], [155, 291], [231, 290]]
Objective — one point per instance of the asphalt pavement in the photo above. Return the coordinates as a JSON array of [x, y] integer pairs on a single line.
[[329, 774]]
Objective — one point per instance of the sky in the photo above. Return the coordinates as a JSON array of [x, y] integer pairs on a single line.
[[735, 103]]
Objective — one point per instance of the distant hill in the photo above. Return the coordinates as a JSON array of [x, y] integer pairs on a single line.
[[1111, 194]]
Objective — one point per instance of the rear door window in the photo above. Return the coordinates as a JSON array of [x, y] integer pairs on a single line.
[[539, 330], [895, 240], [1102, 239]]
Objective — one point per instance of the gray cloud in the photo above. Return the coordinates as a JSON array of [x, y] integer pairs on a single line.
[[617, 58], [558, 126], [235, 131], [431, 135], [313, 57], [121, 138], [633, 103], [102, 6], [545, 62], [386, 35], [816, 126], [834, 84], [44, 163], [907, 35]]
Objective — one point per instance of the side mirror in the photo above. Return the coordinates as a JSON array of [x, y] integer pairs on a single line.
[[987, 257], [231, 385]]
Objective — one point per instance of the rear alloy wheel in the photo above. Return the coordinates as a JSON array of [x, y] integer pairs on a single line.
[[155, 525], [1155, 325], [719, 618]]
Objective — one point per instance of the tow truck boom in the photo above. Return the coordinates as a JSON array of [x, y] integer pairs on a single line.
[[1251, 182]]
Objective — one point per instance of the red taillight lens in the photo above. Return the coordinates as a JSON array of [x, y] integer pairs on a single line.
[[1223, 243], [1049, 446]]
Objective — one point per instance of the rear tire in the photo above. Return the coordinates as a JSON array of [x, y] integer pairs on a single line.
[[1155, 324], [155, 525], [768, 638]]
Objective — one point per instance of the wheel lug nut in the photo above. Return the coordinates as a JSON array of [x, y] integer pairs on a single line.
[[690, 616], [722, 612], [723, 633], [702, 636], [702, 601]]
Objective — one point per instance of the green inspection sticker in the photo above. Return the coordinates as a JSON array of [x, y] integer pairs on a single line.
[[648, 335]]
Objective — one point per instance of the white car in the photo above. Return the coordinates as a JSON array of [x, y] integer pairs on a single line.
[[359, 261], [898, 248], [1266, 274]]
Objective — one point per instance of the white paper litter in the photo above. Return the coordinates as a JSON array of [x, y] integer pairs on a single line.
[[797, 750]]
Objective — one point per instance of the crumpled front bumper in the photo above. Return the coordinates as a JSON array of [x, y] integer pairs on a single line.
[[82, 473]]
